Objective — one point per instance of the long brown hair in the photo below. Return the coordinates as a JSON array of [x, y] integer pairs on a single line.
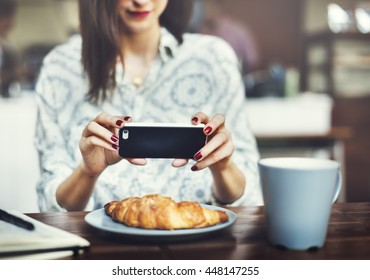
[[100, 39]]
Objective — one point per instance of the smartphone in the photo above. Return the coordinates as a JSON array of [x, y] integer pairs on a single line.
[[160, 140]]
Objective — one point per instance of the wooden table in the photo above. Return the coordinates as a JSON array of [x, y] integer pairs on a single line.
[[348, 238]]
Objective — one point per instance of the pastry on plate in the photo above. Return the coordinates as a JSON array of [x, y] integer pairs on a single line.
[[156, 211]]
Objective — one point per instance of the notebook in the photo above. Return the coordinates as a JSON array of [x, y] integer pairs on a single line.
[[44, 242]]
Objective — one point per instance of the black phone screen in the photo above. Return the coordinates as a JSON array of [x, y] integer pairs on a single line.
[[160, 141]]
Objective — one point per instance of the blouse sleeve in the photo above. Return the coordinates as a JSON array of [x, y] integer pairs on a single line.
[[55, 160], [233, 104]]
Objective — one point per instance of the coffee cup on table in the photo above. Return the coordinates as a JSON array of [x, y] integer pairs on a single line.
[[298, 194]]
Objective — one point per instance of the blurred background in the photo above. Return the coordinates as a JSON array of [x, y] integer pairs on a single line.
[[305, 65]]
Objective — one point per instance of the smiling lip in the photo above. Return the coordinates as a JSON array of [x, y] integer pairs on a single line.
[[139, 14]]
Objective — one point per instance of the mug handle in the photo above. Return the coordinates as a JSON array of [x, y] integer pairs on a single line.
[[338, 187]]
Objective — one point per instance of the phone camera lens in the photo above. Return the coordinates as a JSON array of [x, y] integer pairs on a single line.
[[125, 134]]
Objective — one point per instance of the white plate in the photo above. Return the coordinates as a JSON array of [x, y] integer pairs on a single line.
[[102, 221]]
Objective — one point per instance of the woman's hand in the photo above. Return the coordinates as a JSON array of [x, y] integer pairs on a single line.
[[217, 153], [229, 181], [99, 144], [219, 148]]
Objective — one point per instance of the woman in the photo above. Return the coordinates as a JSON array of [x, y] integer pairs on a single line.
[[137, 65]]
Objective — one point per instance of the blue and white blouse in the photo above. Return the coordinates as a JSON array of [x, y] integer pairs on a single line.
[[201, 74]]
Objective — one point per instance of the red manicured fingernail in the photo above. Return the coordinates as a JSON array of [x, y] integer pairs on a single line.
[[194, 168], [195, 119], [119, 122], [114, 138], [114, 146], [198, 156], [208, 130], [127, 118]]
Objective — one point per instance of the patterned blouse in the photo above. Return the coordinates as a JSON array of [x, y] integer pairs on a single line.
[[201, 74]]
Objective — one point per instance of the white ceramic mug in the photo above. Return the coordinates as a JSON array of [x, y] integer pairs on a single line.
[[298, 194]]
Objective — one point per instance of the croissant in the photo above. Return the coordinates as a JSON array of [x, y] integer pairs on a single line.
[[156, 211]]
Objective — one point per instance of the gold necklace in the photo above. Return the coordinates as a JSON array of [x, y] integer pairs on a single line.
[[137, 81]]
